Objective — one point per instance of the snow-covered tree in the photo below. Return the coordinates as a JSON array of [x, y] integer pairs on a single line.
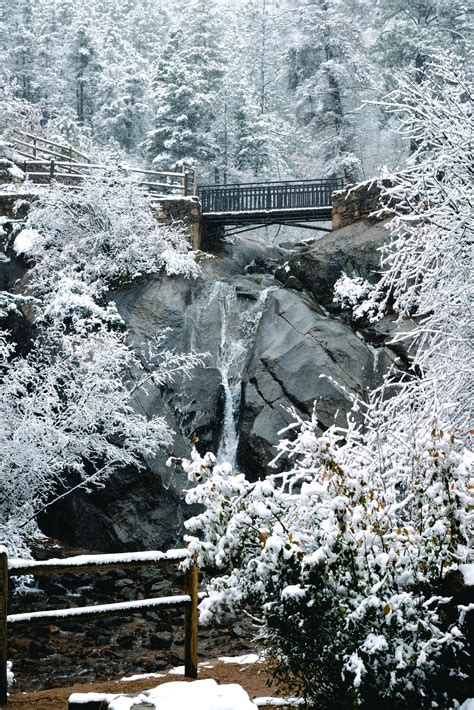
[[412, 30], [67, 419], [82, 243], [67, 415], [186, 91], [427, 266], [328, 69]]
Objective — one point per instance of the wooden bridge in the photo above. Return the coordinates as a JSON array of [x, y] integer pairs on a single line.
[[290, 202], [225, 210]]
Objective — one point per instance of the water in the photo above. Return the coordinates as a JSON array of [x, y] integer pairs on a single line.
[[237, 332]]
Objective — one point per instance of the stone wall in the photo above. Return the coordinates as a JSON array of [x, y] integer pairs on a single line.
[[356, 204], [186, 210]]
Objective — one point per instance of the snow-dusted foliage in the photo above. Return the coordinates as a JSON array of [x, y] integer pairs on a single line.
[[67, 420], [66, 410], [427, 266], [344, 555], [82, 243], [353, 292]]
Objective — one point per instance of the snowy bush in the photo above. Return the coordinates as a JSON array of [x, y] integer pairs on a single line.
[[343, 554], [67, 420], [83, 243], [66, 409], [353, 293]]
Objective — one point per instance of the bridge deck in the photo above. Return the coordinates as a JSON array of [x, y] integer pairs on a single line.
[[288, 201]]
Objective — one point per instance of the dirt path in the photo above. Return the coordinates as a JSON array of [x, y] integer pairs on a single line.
[[253, 677]]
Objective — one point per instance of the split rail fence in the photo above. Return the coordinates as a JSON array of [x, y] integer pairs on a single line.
[[44, 161], [87, 563]]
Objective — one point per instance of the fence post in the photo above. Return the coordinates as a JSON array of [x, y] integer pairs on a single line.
[[51, 169], [70, 159], [34, 147], [185, 180], [191, 584], [3, 624]]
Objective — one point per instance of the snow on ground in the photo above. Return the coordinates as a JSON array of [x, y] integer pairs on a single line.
[[467, 704], [238, 660], [242, 660], [467, 572], [141, 676], [177, 695]]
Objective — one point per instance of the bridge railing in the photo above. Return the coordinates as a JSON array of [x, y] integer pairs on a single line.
[[29, 145], [154, 183], [267, 196]]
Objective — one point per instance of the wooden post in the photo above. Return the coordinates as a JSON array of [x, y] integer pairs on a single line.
[[191, 584], [51, 169], [3, 624], [70, 159], [185, 180], [34, 147]]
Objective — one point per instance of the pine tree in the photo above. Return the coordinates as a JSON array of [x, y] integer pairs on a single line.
[[327, 72], [186, 92], [83, 62], [409, 31], [121, 94]]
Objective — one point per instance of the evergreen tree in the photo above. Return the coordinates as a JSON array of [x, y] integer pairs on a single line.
[[83, 61], [186, 92], [121, 94], [409, 31], [327, 72]]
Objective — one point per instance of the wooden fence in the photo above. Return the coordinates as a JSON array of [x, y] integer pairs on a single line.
[[87, 563], [31, 146], [45, 161]]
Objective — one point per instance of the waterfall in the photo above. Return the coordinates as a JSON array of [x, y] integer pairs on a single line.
[[230, 361], [237, 330]]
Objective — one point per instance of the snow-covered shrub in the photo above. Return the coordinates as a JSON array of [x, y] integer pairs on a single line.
[[17, 113], [353, 293], [66, 412], [343, 554], [66, 420], [84, 242]]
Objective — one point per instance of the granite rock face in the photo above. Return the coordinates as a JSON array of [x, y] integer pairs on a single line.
[[300, 353], [353, 249]]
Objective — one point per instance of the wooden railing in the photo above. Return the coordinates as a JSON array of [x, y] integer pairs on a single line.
[[268, 196], [87, 563], [45, 161], [29, 145], [46, 171]]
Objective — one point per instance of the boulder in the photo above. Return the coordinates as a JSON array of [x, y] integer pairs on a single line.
[[354, 249], [301, 357]]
